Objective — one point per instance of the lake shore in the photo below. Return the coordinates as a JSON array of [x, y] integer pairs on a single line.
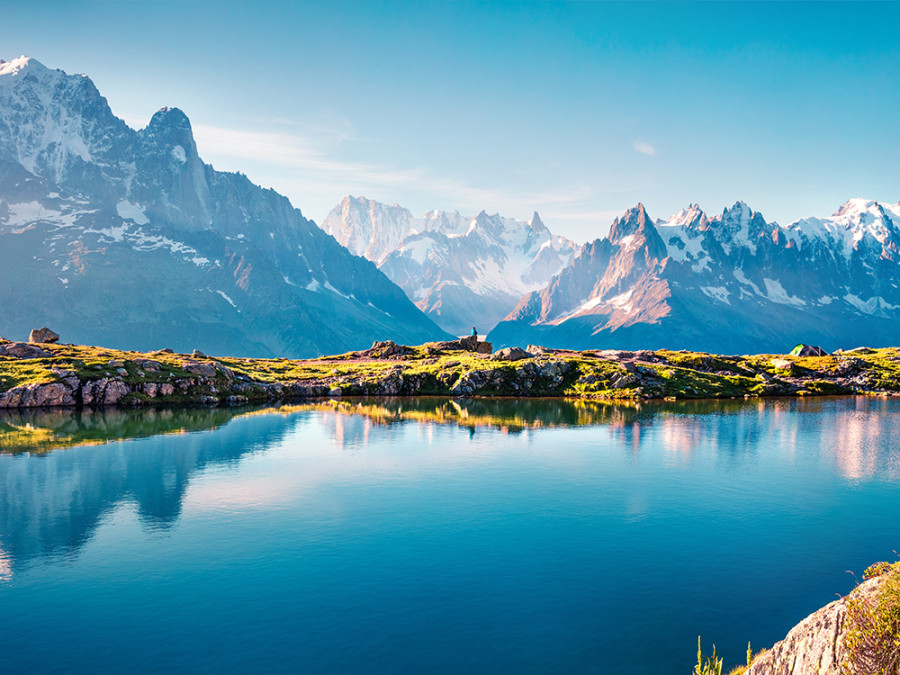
[[62, 375]]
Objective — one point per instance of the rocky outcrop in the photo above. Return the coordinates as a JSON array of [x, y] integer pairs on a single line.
[[43, 336], [471, 344], [815, 646], [529, 379], [22, 350], [385, 350], [52, 394], [511, 354]]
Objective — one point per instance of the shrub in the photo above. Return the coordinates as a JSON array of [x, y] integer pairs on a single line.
[[873, 636], [712, 665]]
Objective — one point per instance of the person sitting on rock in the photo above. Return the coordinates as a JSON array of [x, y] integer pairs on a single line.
[[474, 332]]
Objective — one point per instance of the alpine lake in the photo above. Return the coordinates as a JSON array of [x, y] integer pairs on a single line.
[[434, 535]]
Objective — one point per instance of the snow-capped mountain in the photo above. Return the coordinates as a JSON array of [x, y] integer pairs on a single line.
[[727, 283], [459, 270], [126, 238]]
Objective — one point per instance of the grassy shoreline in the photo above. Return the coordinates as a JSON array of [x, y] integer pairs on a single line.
[[83, 376]]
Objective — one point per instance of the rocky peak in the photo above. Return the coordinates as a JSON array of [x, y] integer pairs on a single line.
[[635, 229], [536, 224], [168, 130], [634, 221], [693, 219]]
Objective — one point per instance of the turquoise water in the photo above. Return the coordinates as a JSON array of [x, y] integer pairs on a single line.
[[429, 536]]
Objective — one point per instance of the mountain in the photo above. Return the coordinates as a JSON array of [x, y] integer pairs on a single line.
[[128, 239], [729, 283], [459, 270]]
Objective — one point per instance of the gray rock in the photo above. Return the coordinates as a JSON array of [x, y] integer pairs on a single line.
[[105, 391], [202, 369], [469, 343], [484, 348], [22, 350], [43, 336], [148, 365], [448, 346], [39, 395], [197, 354], [511, 354], [782, 364], [816, 644], [154, 389], [334, 391]]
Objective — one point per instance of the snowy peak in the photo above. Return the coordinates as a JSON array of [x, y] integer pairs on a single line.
[[22, 66], [857, 224], [451, 265], [369, 228], [692, 219]]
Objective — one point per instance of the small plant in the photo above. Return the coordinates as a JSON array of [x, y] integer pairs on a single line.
[[711, 665], [873, 637]]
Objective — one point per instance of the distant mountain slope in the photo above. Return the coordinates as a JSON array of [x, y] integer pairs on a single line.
[[126, 238], [459, 270], [731, 283]]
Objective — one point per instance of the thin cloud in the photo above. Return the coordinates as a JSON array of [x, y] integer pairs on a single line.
[[645, 148], [305, 155]]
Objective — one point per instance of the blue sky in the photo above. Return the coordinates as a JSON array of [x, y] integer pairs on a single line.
[[576, 110]]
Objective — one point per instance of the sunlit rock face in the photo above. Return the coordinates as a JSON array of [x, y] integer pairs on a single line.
[[128, 239], [730, 283]]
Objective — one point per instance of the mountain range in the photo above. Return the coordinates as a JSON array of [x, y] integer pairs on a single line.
[[459, 270], [126, 238], [727, 283]]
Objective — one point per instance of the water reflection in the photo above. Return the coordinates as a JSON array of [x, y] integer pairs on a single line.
[[856, 432], [43, 430], [51, 503]]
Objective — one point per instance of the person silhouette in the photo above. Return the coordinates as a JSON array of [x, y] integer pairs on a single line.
[[474, 332]]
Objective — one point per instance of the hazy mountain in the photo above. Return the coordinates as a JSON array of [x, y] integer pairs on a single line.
[[459, 270], [126, 238], [727, 283]]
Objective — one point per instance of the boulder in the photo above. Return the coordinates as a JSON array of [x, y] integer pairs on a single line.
[[197, 354], [386, 349], [484, 348], [469, 342], [447, 346], [22, 350], [148, 365], [105, 391], [782, 364], [43, 336], [511, 354], [197, 368], [39, 395], [816, 644]]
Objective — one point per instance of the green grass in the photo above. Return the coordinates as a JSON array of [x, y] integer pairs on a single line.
[[662, 374]]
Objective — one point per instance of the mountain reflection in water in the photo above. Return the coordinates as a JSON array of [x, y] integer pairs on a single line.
[[85, 485], [254, 540]]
